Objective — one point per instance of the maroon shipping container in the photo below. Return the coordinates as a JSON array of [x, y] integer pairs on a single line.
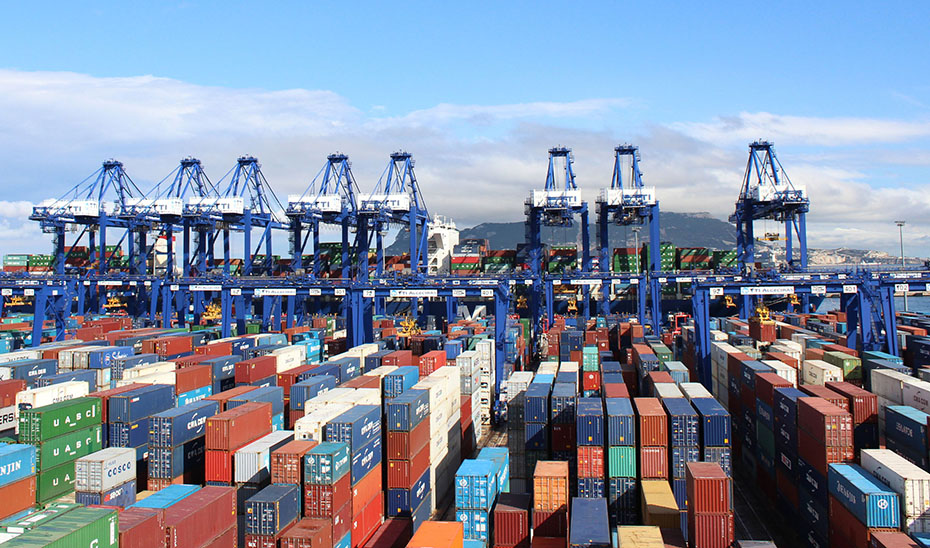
[[17, 496], [708, 488], [818, 456], [204, 515], [863, 405], [846, 530], [590, 380], [653, 462], [287, 379], [323, 501], [238, 426], [192, 378], [512, 520], [563, 437], [782, 357], [365, 381], [142, 528], [287, 461], [590, 461], [431, 361], [818, 391], [8, 390], [465, 413], [308, 533], [402, 474], [226, 539], [393, 533], [399, 358], [366, 522], [787, 486], [402, 445], [262, 367], [227, 395], [187, 361], [711, 530], [261, 541], [550, 523], [766, 383], [365, 489], [825, 422], [616, 390], [105, 396], [168, 346], [215, 349], [653, 422], [218, 465], [548, 542], [895, 539]]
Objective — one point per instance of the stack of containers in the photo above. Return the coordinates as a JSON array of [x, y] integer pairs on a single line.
[[475, 491], [511, 521], [360, 429], [8, 390], [710, 510], [653, 439], [228, 431], [622, 490], [129, 414], [590, 372], [62, 433], [408, 476], [515, 391], [176, 444], [470, 371], [859, 506], [766, 475], [501, 458], [684, 448], [445, 434], [591, 431], [787, 477], [107, 477], [863, 406], [906, 433], [551, 490], [824, 437], [252, 464], [536, 422], [269, 512], [17, 478], [910, 482], [271, 394], [328, 491], [715, 432], [562, 417]]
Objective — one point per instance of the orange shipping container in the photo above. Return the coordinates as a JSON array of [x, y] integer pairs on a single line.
[[550, 485], [441, 534]]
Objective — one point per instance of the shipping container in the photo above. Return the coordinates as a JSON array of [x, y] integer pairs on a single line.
[[17, 462], [119, 496], [653, 422], [105, 469], [42, 423], [132, 406], [93, 527], [407, 411], [621, 422], [708, 488], [864, 496], [326, 463], [272, 509], [550, 485], [238, 426], [204, 515]]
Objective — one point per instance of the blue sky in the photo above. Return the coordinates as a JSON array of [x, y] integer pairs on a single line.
[[477, 91]]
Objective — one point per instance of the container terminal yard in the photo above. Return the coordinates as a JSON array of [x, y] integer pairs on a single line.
[[160, 391]]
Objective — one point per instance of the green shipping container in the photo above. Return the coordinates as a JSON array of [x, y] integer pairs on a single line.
[[851, 365], [83, 527], [38, 517], [589, 359], [621, 461], [43, 423], [56, 451], [55, 482], [765, 438]]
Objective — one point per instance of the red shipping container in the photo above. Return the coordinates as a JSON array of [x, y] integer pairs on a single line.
[[287, 379], [766, 383], [465, 410], [402, 474], [8, 390], [708, 488], [591, 380], [550, 523], [825, 422], [548, 542], [846, 530], [616, 390], [817, 391], [366, 522], [219, 465], [399, 358], [393, 533], [17, 496], [863, 405], [223, 348], [815, 454], [187, 361], [142, 528], [238, 426], [895, 539], [653, 462], [261, 541], [262, 367], [192, 378], [308, 533], [366, 489], [294, 415], [653, 422], [590, 461], [563, 437], [342, 522], [226, 539], [711, 530], [431, 361], [323, 501], [511, 520], [200, 517], [364, 381], [227, 395], [782, 357], [287, 461]]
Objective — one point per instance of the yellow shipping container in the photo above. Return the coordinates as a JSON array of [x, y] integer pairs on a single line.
[[658, 504], [638, 536]]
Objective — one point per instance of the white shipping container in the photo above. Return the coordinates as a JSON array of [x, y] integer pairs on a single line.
[[155, 378], [312, 425], [360, 396], [716, 335], [20, 355], [101, 471], [467, 362], [148, 369], [720, 350], [820, 372], [252, 463], [362, 350], [888, 384], [667, 390], [568, 367], [47, 395], [517, 383], [916, 524], [909, 481], [8, 418], [783, 370], [692, 390], [381, 372], [288, 358], [916, 393]]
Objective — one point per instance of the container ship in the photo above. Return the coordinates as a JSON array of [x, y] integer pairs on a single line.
[[157, 391]]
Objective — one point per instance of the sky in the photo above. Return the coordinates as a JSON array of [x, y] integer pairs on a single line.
[[477, 92]]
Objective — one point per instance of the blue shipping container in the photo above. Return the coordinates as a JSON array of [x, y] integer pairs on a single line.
[[195, 395], [402, 502], [590, 488], [365, 458], [120, 496], [749, 370], [683, 422], [562, 405], [589, 524], [326, 463], [764, 414], [407, 411], [309, 389], [171, 462], [907, 426], [356, 427], [476, 524], [272, 394], [715, 422], [81, 375], [140, 403], [681, 456], [536, 402], [623, 500], [272, 509], [17, 461], [167, 496], [621, 422], [127, 362], [589, 421], [129, 434], [222, 367], [349, 367], [536, 436], [873, 503], [400, 380], [475, 485], [30, 370], [179, 425], [102, 358], [543, 378], [500, 455]]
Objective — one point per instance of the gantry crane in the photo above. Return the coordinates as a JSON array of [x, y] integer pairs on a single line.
[[628, 202]]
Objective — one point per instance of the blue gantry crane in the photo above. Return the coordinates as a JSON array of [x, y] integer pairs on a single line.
[[629, 203]]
